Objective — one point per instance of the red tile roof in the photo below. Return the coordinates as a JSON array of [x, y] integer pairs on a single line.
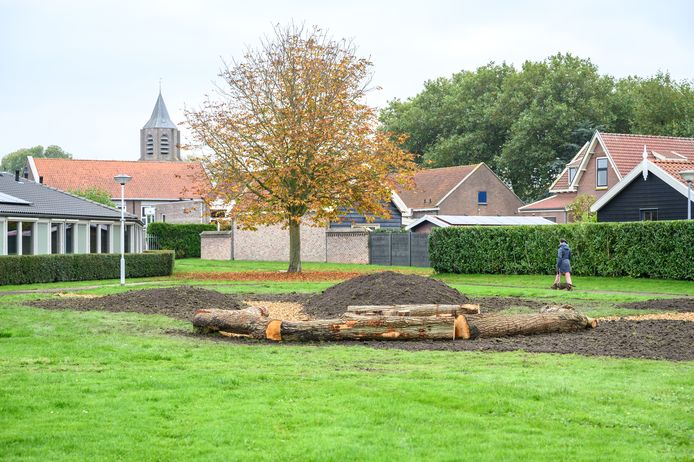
[[562, 182], [673, 168], [556, 202], [627, 150], [150, 180], [431, 185]]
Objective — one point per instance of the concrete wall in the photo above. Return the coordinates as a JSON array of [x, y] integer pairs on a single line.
[[217, 245]]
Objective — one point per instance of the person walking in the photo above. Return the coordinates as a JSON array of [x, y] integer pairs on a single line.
[[563, 265]]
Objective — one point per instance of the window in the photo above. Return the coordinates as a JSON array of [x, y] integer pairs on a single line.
[[11, 238], [572, 174], [649, 214], [601, 178], [148, 214], [164, 145], [150, 145], [552, 219], [482, 197], [127, 239], [69, 237], [93, 240], [104, 231], [55, 238], [27, 238]]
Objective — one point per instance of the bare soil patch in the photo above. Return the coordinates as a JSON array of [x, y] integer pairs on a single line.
[[649, 339], [384, 288], [670, 304], [175, 302]]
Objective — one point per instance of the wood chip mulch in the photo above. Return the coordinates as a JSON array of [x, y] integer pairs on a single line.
[[656, 316], [304, 276]]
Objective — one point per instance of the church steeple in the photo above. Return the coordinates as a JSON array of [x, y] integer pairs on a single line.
[[160, 138]]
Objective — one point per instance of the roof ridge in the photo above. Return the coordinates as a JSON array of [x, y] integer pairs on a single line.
[[449, 167], [634, 135], [178, 162]]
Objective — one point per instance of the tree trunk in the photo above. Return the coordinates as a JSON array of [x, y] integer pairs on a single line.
[[251, 322], [545, 322], [294, 247], [371, 328], [411, 310]]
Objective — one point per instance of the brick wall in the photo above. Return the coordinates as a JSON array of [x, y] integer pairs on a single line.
[[189, 211], [216, 245], [347, 246], [271, 243]]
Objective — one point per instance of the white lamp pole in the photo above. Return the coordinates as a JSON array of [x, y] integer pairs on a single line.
[[688, 176], [122, 179]]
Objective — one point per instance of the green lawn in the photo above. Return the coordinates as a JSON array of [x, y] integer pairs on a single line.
[[116, 386]]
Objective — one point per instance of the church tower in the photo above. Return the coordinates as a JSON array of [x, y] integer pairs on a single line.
[[160, 138]]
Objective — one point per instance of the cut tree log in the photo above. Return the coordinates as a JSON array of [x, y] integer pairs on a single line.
[[255, 323], [371, 328], [251, 322], [411, 310], [554, 320]]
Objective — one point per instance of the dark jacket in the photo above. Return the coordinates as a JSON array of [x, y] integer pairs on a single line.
[[564, 258]]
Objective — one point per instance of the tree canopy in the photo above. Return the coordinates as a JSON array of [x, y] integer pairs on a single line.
[[291, 137], [17, 160], [95, 194], [527, 123]]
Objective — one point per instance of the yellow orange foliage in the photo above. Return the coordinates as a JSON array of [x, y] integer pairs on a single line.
[[292, 138]]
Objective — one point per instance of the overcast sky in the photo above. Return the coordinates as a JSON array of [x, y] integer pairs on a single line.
[[84, 74]]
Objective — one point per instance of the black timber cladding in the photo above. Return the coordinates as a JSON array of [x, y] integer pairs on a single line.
[[350, 217], [652, 193]]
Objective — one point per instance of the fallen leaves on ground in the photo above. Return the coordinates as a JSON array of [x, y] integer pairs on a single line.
[[304, 276]]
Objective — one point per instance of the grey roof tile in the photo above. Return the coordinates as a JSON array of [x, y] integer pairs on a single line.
[[160, 116], [44, 201]]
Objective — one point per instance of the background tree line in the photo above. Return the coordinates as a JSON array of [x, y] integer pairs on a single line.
[[527, 123]]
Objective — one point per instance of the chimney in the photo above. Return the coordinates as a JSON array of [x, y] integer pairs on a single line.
[[16, 175], [41, 180]]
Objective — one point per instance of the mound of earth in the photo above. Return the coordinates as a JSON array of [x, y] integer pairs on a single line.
[[671, 304], [385, 288], [176, 302]]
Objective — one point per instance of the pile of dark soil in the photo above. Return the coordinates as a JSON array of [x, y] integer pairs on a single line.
[[385, 288], [685, 305], [176, 302]]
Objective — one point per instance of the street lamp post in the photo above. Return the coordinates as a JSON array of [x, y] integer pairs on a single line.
[[688, 176], [122, 179]]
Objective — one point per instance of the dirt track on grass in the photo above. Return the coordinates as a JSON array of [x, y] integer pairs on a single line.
[[670, 304]]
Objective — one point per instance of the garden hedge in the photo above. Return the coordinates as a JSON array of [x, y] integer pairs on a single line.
[[183, 239], [656, 249], [28, 269]]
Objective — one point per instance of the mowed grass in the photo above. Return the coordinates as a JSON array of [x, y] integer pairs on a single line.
[[117, 386]]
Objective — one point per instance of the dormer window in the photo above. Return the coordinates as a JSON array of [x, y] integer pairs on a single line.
[[164, 145], [572, 174], [149, 148]]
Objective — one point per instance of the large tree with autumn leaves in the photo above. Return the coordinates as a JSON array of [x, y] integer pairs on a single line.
[[291, 139]]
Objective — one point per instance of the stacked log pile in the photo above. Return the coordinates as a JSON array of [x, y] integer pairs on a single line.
[[393, 322]]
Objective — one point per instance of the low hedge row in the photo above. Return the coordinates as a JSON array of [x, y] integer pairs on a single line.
[[183, 239], [28, 269], [658, 249]]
